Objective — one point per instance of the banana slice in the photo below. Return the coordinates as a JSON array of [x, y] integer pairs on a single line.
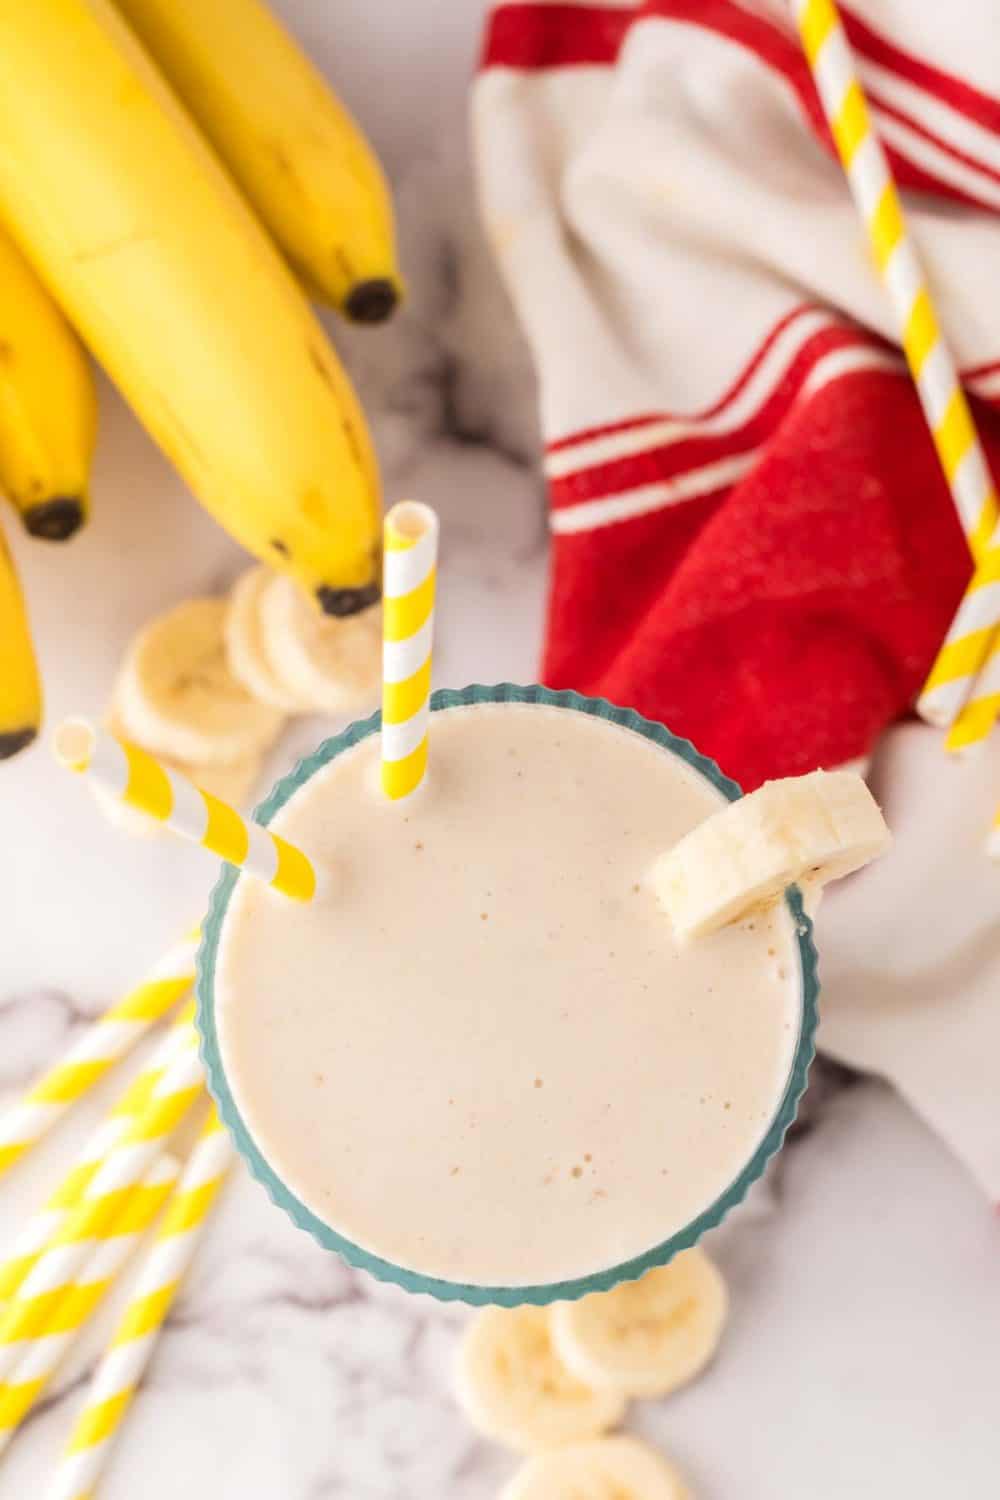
[[232, 781], [614, 1468], [513, 1387], [333, 665], [177, 696], [645, 1337], [813, 828], [246, 646]]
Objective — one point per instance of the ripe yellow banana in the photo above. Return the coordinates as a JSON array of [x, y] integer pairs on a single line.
[[20, 689], [297, 153], [48, 412], [163, 268]]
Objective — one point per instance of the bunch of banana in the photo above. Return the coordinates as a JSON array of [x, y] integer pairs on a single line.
[[293, 148], [166, 269]]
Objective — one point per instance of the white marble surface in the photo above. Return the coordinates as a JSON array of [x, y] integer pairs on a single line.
[[861, 1358]]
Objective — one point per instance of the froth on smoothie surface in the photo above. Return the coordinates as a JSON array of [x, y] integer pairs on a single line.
[[483, 1057]]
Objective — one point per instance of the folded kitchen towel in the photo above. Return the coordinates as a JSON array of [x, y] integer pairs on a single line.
[[752, 539]]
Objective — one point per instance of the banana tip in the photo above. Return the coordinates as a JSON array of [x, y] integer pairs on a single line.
[[13, 740], [341, 602], [55, 520], [372, 301]]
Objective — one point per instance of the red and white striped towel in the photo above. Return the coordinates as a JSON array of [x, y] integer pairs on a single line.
[[752, 540]]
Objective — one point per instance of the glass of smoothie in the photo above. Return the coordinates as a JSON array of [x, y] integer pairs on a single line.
[[480, 1065]]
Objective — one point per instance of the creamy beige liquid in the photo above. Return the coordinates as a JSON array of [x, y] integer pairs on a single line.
[[483, 1057]]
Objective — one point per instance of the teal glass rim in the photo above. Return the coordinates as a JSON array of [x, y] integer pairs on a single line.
[[413, 1281]]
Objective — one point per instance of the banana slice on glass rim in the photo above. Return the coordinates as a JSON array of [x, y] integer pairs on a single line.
[[613, 1468], [810, 829], [334, 665], [513, 1387], [178, 697], [645, 1337]]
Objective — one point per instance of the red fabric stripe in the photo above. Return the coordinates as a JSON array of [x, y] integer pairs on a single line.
[[783, 624], [655, 465], [545, 36], [976, 371], [777, 48], [877, 101], [782, 51], [532, 36], [587, 434], [553, 36], [906, 167], [603, 585], [917, 179], [984, 109]]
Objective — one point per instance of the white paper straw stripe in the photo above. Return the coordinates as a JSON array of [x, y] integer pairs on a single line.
[[400, 659], [179, 961], [869, 176], [77, 1475], [38, 1230], [28, 1120], [400, 740], [937, 381], [832, 70], [972, 482], [262, 853], [406, 569], [110, 763], [903, 279], [189, 811], [124, 1363], [974, 607]]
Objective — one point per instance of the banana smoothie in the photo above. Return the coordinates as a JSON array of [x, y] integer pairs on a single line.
[[483, 1055]]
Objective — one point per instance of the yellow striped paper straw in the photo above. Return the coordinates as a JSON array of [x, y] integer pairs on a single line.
[[43, 1353], [982, 705], [100, 1045], [408, 584], [117, 1376], [964, 644], [32, 1239], [941, 396], [142, 782], [993, 842], [47, 1298]]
